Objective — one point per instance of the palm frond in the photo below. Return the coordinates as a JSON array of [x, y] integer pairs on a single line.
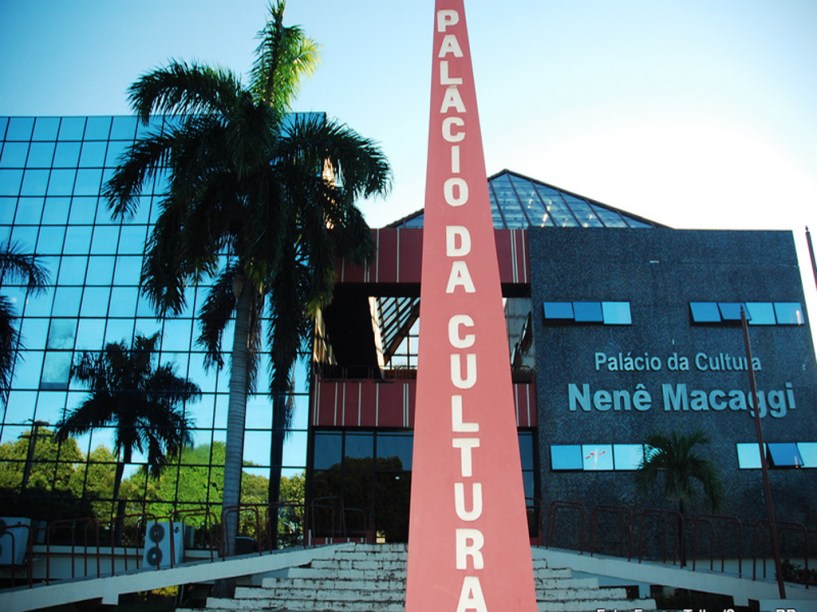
[[214, 315], [9, 342], [185, 89], [17, 265], [284, 55]]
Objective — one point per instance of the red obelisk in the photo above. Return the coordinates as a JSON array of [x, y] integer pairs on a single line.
[[468, 536]]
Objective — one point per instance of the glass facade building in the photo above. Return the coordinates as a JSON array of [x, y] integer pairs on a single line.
[[52, 172]]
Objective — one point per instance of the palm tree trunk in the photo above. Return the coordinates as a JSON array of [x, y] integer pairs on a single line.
[[119, 518], [236, 416], [279, 419]]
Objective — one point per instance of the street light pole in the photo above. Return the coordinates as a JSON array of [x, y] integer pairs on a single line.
[[767, 489]]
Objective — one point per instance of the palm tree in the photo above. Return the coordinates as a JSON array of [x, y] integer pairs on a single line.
[[260, 200], [15, 265], [141, 399], [673, 459]]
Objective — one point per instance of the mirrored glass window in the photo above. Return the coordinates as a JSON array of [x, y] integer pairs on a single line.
[[27, 369], [114, 155], [46, 128], [789, 313], [77, 239], [61, 334], [98, 128], [66, 301], [95, 301], [29, 211], [628, 456], [10, 182], [50, 239], [55, 211], [123, 128], [83, 210], [359, 445], [93, 154], [587, 312], [566, 457], [72, 128], [327, 450], [90, 334], [396, 446], [20, 128], [616, 313], [597, 457], [105, 239], [88, 182], [56, 370], [35, 182], [72, 270], [14, 155], [808, 453], [123, 304], [705, 312], [784, 455], [100, 270], [128, 270], [760, 313], [67, 155], [41, 154], [558, 310], [62, 182]]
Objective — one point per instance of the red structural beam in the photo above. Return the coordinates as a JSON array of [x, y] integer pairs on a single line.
[[398, 258]]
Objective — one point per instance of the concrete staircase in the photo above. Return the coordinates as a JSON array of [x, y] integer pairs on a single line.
[[372, 578]]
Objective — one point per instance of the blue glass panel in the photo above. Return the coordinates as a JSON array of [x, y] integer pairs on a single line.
[[123, 303], [359, 445], [115, 151], [760, 313], [93, 154], [583, 212], [808, 452], [748, 456], [20, 128], [100, 269], [34, 332], [123, 128], [72, 270], [67, 155], [105, 239], [27, 369], [128, 270], [55, 211], [526, 450], [587, 312], [46, 128], [784, 455], [98, 128], [77, 239], [399, 445], [56, 370], [88, 182], [7, 208], [559, 310], [610, 218], [26, 238], [14, 155], [35, 182], [62, 333], [4, 121], [72, 128], [789, 313], [62, 182], [50, 405], [566, 457], [29, 211], [132, 239], [730, 311], [83, 210], [597, 457], [95, 301], [50, 239], [119, 330], [327, 450], [41, 155], [66, 301], [177, 334], [616, 313], [40, 305], [705, 312], [10, 181], [628, 456]]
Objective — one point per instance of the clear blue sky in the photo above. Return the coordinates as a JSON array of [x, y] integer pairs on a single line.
[[701, 113]]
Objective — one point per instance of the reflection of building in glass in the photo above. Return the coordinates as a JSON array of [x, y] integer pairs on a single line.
[[618, 328]]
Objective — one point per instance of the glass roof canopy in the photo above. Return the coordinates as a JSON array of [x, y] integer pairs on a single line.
[[519, 202]]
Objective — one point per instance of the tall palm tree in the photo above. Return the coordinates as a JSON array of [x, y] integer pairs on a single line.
[[262, 201], [140, 398], [673, 460], [14, 265]]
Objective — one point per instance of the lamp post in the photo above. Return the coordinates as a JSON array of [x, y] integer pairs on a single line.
[[767, 489]]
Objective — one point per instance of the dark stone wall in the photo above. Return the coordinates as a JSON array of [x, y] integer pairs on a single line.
[[659, 271]]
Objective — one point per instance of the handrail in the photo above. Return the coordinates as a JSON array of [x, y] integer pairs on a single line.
[[567, 505], [625, 527]]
